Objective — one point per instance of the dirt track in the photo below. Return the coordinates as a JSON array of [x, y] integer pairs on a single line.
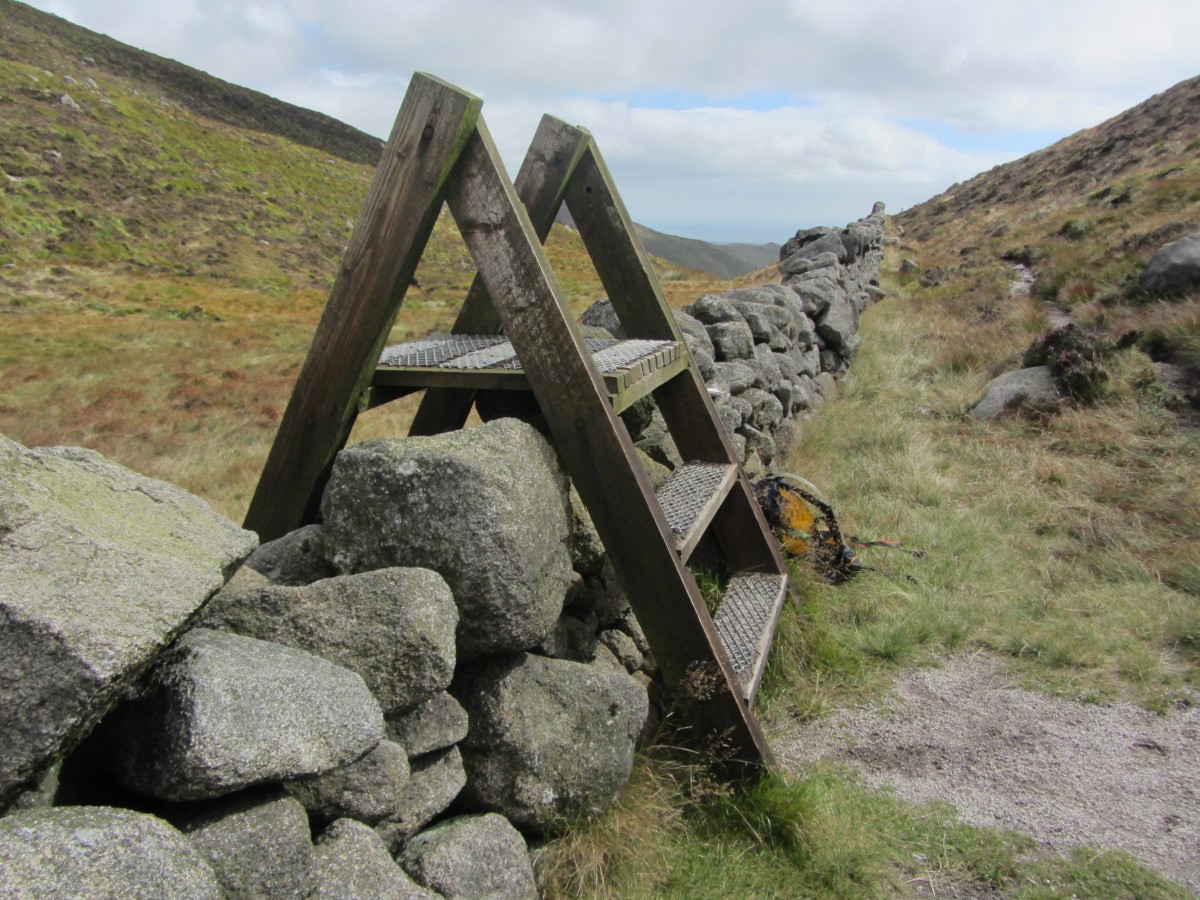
[[1111, 776]]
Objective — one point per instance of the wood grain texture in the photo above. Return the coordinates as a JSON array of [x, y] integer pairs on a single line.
[[596, 450], [541, 182], [406, 194]]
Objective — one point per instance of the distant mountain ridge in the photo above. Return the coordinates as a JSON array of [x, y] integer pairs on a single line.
[[722, 260]]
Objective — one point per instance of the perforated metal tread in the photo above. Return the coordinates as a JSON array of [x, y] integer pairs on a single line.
[[745, 622], [690, 497], [492, 351]]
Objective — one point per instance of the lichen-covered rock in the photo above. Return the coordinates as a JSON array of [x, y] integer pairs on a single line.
[[436, 724], [1023, 387], [97, 851], [352, 863], [223, 712], [472, 857], [394, 627], [258, 844], [297, 558], [549, 740], [366, 789], [100, 569], [486, 508]]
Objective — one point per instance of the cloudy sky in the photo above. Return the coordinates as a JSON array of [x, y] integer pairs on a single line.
[[728, 120]]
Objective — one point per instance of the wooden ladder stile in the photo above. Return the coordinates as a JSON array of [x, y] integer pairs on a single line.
[[514, 333]]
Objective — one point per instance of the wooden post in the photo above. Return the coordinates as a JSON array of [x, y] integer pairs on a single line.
[[406, 195]]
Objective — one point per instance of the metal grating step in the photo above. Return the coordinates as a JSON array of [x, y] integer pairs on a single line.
[[690, 497], [745, 622]]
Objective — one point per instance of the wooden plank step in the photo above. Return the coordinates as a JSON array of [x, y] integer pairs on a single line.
[[745, 621], [630, 369], [690, 497]]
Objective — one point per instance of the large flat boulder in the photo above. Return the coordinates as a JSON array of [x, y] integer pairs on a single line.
[[100, 569], [486, 508], [97, 851], [223, 712]]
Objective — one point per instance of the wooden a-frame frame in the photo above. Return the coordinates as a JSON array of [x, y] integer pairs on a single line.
[[440, 150]]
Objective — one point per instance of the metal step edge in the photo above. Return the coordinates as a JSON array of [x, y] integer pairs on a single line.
[[745, 622], [690, 497]]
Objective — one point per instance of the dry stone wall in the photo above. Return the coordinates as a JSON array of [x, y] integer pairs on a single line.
[[443, 670]]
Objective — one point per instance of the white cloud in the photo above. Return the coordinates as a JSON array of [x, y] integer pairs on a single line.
[[872, 98]]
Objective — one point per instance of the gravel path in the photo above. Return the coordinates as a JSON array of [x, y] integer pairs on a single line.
[[1112, 776]]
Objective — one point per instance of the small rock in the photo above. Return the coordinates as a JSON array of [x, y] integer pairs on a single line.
[[471, 857], [366, 789], [436, 724], [258, 844], [352, 863]]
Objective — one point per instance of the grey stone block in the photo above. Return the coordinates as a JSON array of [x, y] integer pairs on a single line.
[[223, 712], [100, 569]]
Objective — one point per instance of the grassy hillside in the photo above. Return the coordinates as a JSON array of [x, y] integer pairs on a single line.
[[1065, 543], [161, 272]]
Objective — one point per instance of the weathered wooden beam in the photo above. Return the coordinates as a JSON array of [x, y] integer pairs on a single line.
[[406, 194], [541, 182], [628, 277], [596, 450]]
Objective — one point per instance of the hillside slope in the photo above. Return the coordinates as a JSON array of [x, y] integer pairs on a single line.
[[1084, 216], [29, 34]]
